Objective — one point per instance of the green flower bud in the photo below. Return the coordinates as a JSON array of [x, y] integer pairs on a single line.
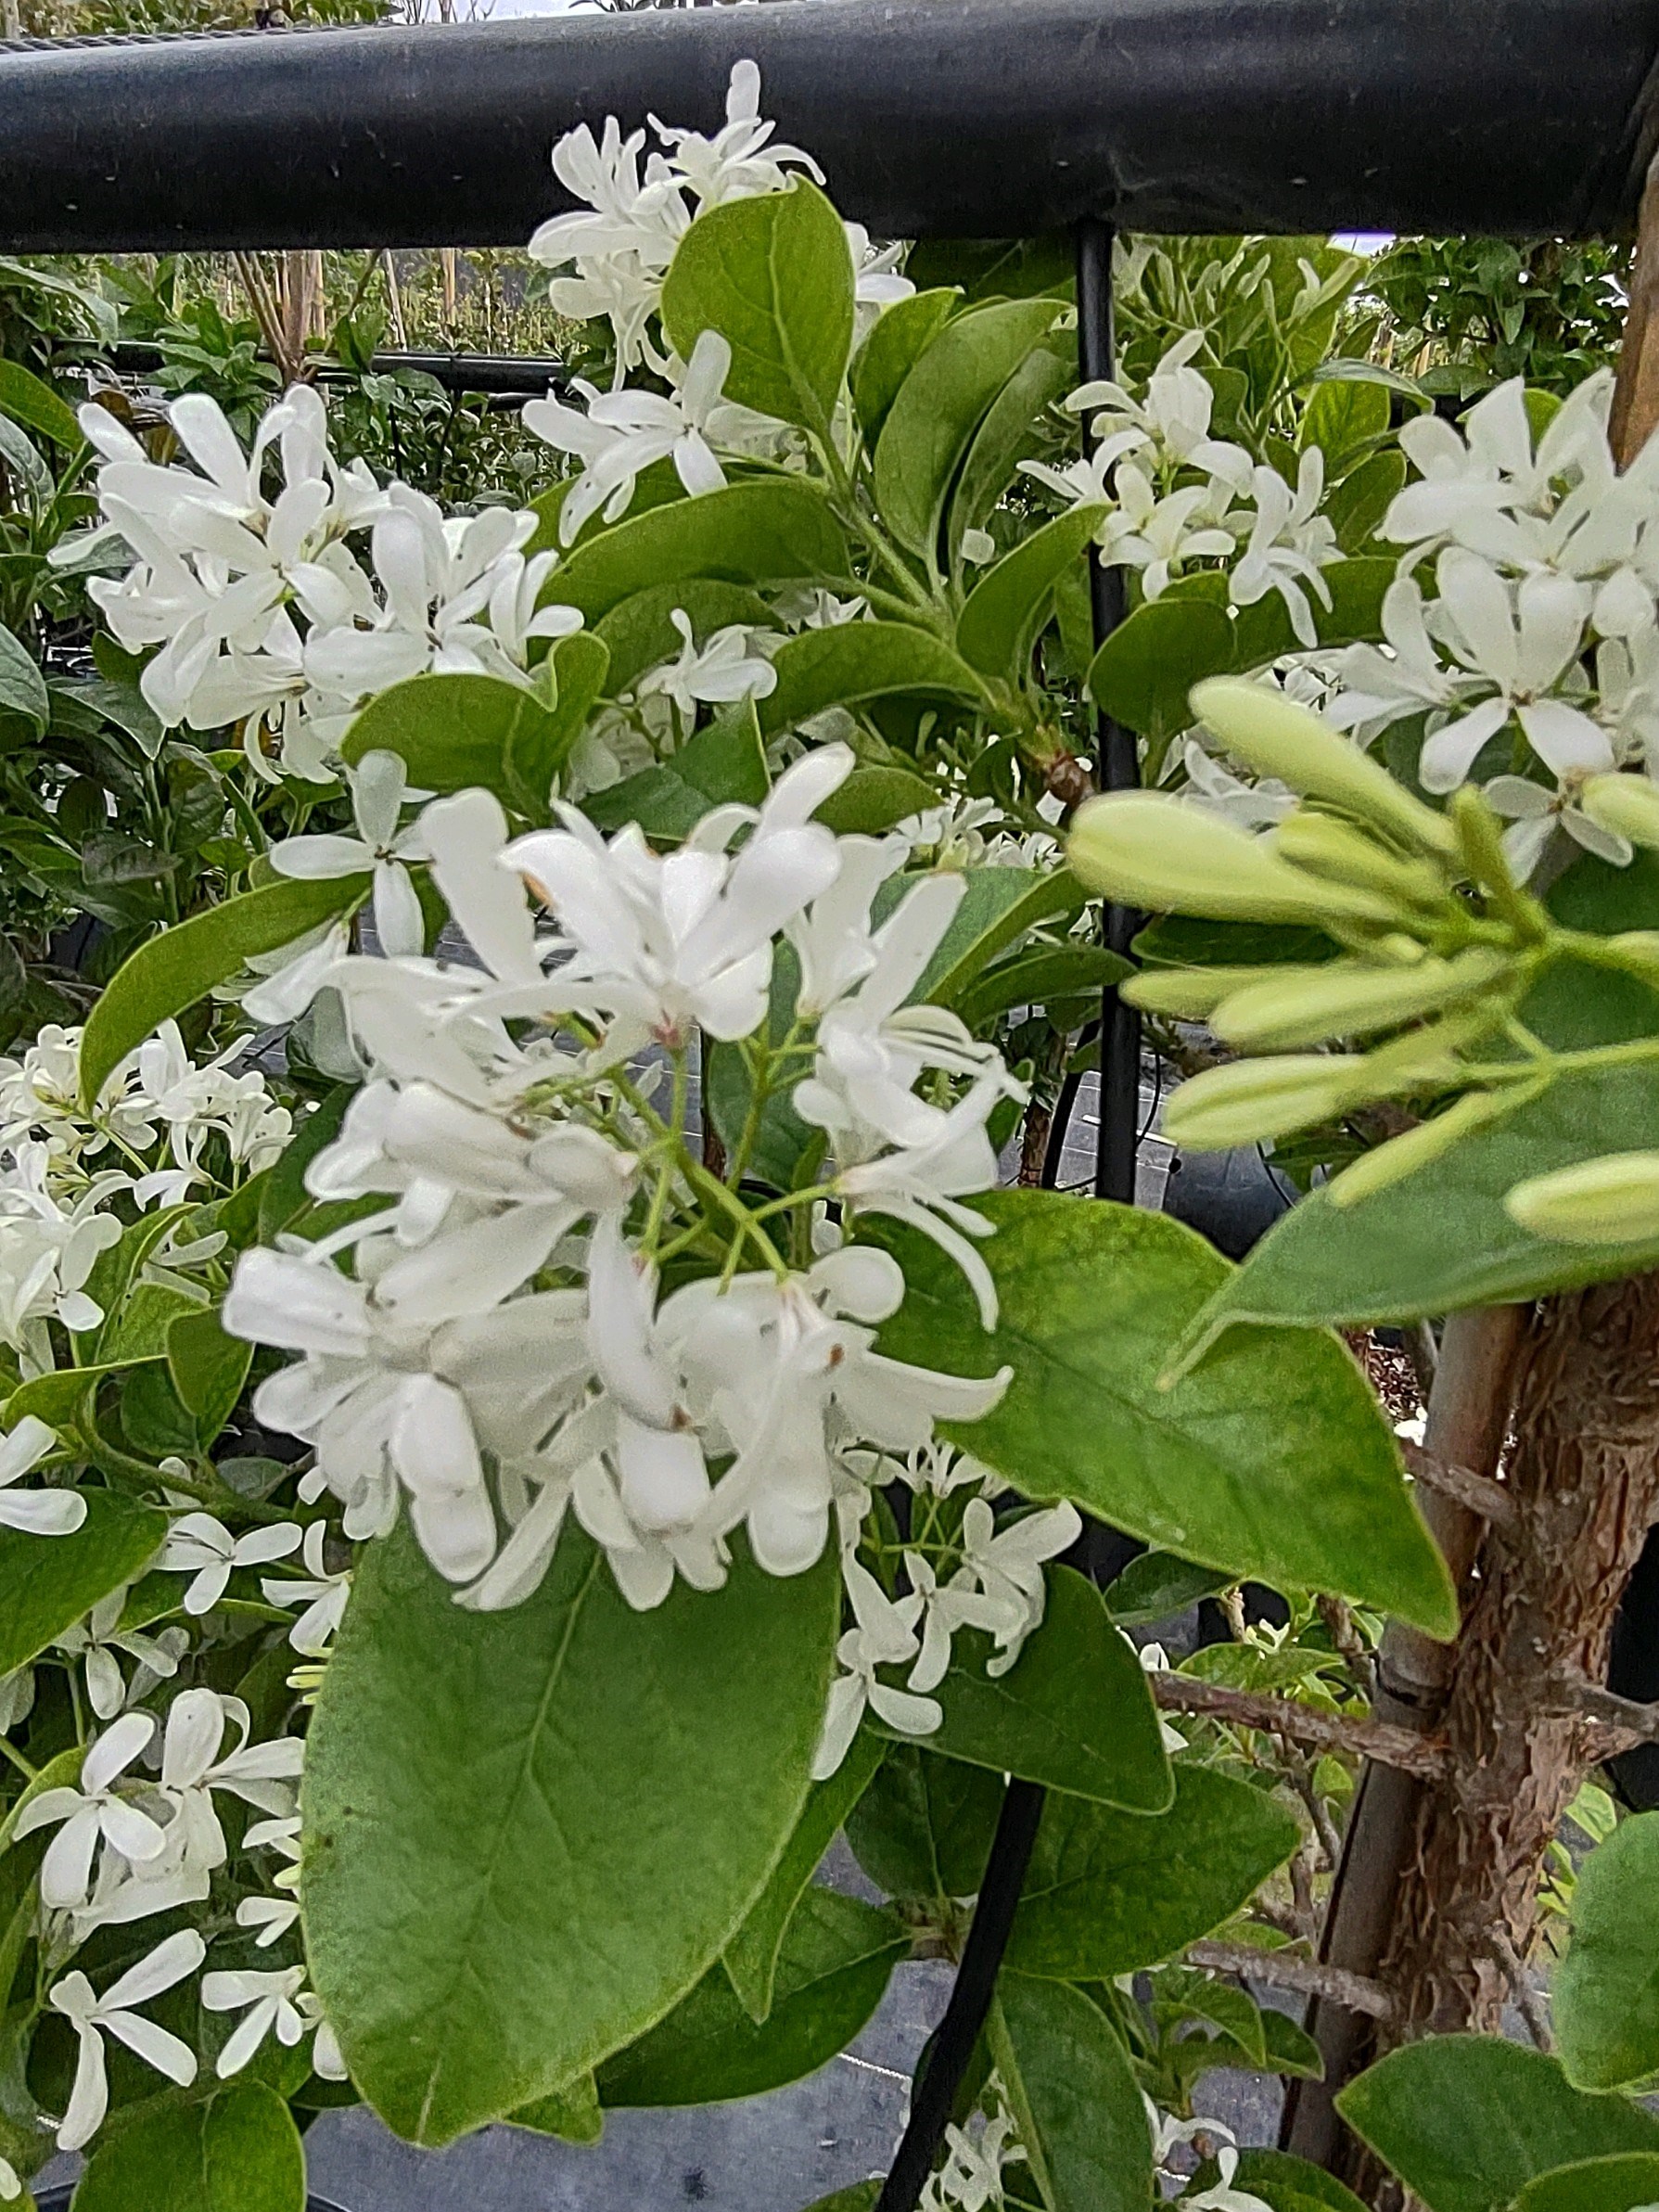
[[1338, 852], [1420, 1148], [1187, 993], [1278, 737], [1639, 951], [1627, 805], [1249, 1100], [1613, 1200], [1347, 998], [1147, 849]]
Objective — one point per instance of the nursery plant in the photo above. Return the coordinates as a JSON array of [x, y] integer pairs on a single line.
[[543, 1384]]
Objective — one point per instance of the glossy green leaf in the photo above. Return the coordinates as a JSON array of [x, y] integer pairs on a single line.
[[1468, 2121], [1271, 1458], [1357, 506], [892, 350], [208, 1369], [849, 662], [236, 2150], [1628, 2181], [836, 1959], [923, 1827], [724, 762], [1013, 431], [860, 2197], [22, 687], [573, 675], [456, 731], [1285, 2183], [776, 532], [1263, 632], [168, 973], [773, 276], [1343, 415], [1075, 2096], [1606, 1989], [573, 2114], [1142, 676], [1157, 1586], [1011, 602], [1108, 1892], [875, 799], [1074, 1712], [751, 1957], [640, 634], [26, 398], [47, 1582], [57, 1398], [1183, 1993], [1038, 977], [481, 1929], [1290, 2049], [998, 908], [939, 406]]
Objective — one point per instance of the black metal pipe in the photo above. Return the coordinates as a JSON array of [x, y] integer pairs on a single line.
[[493, 375], [953, 118]]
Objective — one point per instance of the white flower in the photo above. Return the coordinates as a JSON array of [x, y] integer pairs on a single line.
[[877, 281], [884, 1636], [35, 1512], [290, 979], [204, 1547], [1289, 541], [11, 2186], [96, 1640], [94, 1810], [260, 1774], [1217, 790], [970, 2178], [738, 163], [1222, 2196], [1173, 419], [1007, 1566], [92, 2017], [376, 785], [273, 1916], [266, 2002], [323, 1596], [723, 668]]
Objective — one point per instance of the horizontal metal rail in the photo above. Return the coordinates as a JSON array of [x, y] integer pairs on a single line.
[[511, 376], [953, 118]]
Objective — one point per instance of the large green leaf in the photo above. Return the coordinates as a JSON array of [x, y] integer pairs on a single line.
[[1606, 1989], [572, 2113], [724, 762], [1039, 977], [1108, 1892], [1344, 416], [775, 531], [939, 406], [1283, 2183], [1076, 2098], [1011, 602], [208, 1369], [530, 1833], [773, 276], [837, 1957], [27, 400], [892, 350], [47, 1582], [853, 661], [1628, 2181], [236, 2150], [57, 1398], [1074, 1712], [1357, 587], [1156, 1586], [640, 634], [751, 1957], [22, 687], [998, 908], [168, 973], [454, 731], [1270, 1459], [1468, 2121], [924, 1826], [873, 800], [1142, 676], [1012, 432]]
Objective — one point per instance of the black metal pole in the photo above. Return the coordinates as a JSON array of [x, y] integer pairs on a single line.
[[938, 2088]]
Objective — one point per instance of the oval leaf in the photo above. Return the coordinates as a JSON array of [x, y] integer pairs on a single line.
[[770, 532], [1076, 2097], [1143, 674], [862, 660], [27, 400], [48, 1582], [453, 731], [1606, 1989], [892, 350], [1628, 2181], [1010, 603], [238, 2151]]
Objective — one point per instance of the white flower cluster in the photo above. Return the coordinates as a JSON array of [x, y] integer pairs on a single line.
[[976, 2157], [1144, 466], [1544, 613], [159, 1116], [261, 605], [1223, 2195], [502, 1352]]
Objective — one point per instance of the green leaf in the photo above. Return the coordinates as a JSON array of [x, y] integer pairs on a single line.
[[454, 731], [1290, 2049], [57, 1398], [640, 634], [208, 1370], [136, 1332], [47, 1582], [1284, 2184], [481, 1929], [22, 687], [1606, 1989], [1468, 2121], [1343, 415], [1263, 632], [1011, 433], [168, 973], [1628, 2181], [27, 400], [785, 1151], [1074, 1712], [574, 673], [1010, 603], [1271, 1459], [1357, 505], [939, 406], [836, 1959], [924, 1826], [1076, 2098], [573, 2113], [751, 1957], [873, 800], [998, 908], [1159, 1585], [774, 277], [1108, 1892], [892, 350], [853, 661], [777, 532], [724, 762], [1143, 674], [238, 2151], [1182, 1993], [860, 2197], [1038, 977]]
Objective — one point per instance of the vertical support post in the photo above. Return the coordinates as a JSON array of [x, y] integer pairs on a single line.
[[1117, 764]]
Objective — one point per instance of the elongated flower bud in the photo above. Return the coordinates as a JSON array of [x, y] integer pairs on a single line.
[[1339, 852], [1613, 1200], [1278, 737], [1188, 993], [1250, 1100], [1420, 1148], [1639, 951], [1147, 849], [1627, 805], [1348, 999]]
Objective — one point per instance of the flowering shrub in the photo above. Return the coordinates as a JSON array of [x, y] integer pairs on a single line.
[[483, 1504]]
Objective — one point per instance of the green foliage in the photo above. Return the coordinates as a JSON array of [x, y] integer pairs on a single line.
[[455, 731], [774, 531], [856, 661], [1075, 2096], [1548, 310], [1628, 2181], [725, 761], [1607, 1986], [47, 1582], [234, 2151]]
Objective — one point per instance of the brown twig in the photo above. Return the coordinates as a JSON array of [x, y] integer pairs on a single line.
[[1624, 1720], [1306, 1976], [1526, 1998], [1298, 1724], [1476, 1493]]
